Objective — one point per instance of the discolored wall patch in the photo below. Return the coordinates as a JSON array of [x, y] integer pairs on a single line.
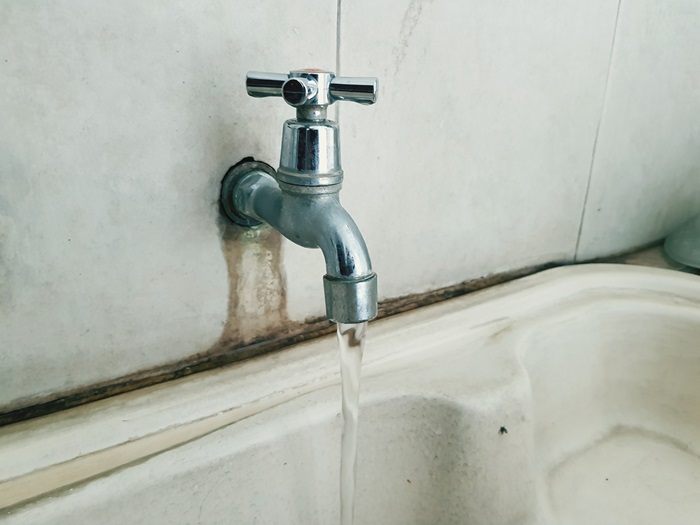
[[257, 304]]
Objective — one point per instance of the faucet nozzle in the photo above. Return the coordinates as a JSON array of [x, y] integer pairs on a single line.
[[351, 301]]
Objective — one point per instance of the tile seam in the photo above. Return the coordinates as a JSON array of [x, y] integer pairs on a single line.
[[597, 134]]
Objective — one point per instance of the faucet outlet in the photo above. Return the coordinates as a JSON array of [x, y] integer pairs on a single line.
[[301, 198]]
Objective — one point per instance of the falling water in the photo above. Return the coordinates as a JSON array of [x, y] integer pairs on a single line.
[[351, 339]]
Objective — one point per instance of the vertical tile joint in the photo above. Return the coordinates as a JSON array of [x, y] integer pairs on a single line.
[[597, 132], [337, 52]]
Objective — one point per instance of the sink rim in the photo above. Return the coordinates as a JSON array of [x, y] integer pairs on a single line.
[[129, 427]]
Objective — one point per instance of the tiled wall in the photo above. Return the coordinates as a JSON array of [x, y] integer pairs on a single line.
[[496, 122], [645, 179]]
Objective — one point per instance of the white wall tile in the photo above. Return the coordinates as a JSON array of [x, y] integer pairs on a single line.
[[119, 120], [476, 156], [646, 173]]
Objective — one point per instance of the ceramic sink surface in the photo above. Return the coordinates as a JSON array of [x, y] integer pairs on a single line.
[[568, 397]]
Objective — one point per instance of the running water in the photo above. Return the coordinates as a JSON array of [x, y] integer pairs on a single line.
[[351, 339]]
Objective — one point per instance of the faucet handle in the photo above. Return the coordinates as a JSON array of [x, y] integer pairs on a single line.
[[259, 84], [312, 87], [362, 90]]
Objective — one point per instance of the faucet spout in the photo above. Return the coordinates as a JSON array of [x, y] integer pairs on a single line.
[[300, 199], [251, 194]]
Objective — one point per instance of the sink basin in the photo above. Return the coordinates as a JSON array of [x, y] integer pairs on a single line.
[[568, 397]]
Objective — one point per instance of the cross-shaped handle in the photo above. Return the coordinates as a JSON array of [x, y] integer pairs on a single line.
[[312, 87]]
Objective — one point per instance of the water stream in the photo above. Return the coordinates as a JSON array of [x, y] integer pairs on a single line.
[[351, 340]]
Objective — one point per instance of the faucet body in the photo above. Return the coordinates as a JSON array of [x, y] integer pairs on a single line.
[[301, 199]]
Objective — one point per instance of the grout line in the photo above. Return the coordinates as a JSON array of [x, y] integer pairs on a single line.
[[597, 132], [337, 52]]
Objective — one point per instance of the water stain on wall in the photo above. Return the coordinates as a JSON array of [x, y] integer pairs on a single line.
[[257, 298]]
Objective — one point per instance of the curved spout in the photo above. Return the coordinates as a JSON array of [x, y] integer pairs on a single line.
[[316, 220]]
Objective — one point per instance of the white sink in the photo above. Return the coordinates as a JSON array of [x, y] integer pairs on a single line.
[[569, 397]]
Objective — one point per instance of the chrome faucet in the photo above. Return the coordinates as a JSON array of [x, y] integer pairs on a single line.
[[300, 199]]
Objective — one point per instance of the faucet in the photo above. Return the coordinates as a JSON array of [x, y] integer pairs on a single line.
[[301, 199]]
